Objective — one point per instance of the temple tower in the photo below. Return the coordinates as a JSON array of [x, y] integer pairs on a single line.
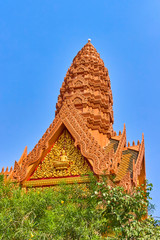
[[87, 85], [81, 138]]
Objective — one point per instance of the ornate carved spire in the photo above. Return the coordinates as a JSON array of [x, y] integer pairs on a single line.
[[87, 85]]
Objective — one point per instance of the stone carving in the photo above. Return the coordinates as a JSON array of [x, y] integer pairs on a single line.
[[89, 68], [77, 101], [138, 165], [121, 145], [78, 83]]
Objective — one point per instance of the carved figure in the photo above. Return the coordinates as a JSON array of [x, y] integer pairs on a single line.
[[63, 163]]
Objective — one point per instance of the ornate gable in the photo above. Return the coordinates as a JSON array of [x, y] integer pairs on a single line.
[[63, 160], [68, 117]]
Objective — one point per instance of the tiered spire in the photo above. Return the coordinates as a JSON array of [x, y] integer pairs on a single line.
[[87, 84]]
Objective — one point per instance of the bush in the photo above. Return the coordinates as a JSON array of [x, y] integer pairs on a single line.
[[77, 211]]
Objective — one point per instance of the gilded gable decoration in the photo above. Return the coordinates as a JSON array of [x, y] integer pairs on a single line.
[[63, 160]]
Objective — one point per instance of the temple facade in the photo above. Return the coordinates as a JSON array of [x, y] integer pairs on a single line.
[[81, 138]]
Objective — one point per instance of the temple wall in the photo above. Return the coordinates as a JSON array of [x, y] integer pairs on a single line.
[[100, 137]]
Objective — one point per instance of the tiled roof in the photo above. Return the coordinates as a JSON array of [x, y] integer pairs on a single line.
[[112, 145], [126, 163]]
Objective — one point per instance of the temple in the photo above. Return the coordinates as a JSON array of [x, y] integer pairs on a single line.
[[81, 138]]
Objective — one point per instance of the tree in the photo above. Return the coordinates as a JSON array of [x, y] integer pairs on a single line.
[[126, 213], [78, 211]]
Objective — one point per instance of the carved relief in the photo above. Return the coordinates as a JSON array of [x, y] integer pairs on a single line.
[[88, 74], [63, 160], [78, 83], [138, 165], [77, 101], [121, 145]]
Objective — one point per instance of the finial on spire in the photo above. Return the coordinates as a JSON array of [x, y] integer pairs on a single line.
[[89, 40]]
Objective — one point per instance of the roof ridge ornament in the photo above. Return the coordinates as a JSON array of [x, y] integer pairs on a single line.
[[89, 39]]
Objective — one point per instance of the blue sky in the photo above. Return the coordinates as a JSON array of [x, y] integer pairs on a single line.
[[39, 39]]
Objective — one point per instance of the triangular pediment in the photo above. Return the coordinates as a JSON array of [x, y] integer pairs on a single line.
[[62, 161]]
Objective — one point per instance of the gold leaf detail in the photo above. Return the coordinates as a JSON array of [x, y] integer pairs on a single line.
[[63, 160]]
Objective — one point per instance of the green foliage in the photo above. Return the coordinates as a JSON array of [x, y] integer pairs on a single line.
[[88, 211], [126, 213]]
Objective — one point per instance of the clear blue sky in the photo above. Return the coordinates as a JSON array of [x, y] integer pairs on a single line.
[[39, 39]]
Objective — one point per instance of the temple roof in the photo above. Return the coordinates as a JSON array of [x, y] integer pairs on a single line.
[[68, 117], [84, 108]]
